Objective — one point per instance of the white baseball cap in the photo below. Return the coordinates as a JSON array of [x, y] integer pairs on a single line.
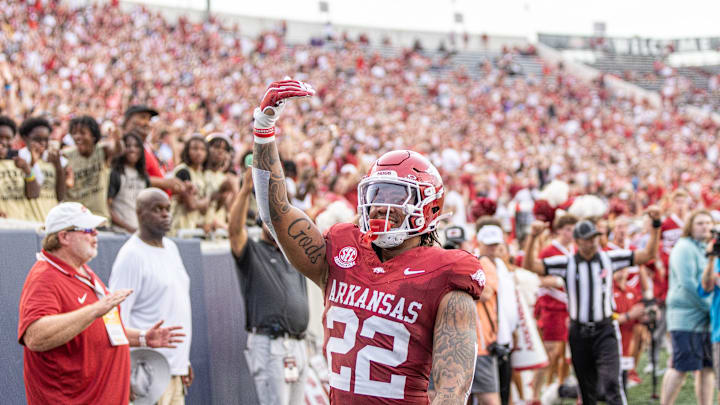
[[149, 375], [71, 214], [490, 235]]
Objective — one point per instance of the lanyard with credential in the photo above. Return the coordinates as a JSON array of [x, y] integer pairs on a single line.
[[111, 319], [96, 287]]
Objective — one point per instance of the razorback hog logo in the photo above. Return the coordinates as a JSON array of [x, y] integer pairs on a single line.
[[479, 276], [346, 257]]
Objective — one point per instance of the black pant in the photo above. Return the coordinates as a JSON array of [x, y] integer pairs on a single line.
[[596, 359], [505, 377]]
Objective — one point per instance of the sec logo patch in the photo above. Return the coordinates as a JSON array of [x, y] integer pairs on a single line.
[[479, 276], [347, 257]]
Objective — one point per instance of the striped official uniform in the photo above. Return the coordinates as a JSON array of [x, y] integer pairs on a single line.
[[594, 337]]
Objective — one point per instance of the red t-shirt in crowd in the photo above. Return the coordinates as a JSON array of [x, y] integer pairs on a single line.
[[670, 232], [624, 300], [85, 370], [152, 165], [633, 277], [380, 316]]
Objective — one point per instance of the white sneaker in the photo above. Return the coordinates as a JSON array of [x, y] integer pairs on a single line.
[[550, 395], [658, 370]]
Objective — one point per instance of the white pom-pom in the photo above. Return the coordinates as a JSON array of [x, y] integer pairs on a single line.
[[555, 193], [588, 206], [335, 213]]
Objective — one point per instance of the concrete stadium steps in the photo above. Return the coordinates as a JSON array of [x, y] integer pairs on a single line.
[[471, 61]]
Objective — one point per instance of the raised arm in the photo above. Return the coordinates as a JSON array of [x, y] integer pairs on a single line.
[[238, 215], [301, 241], [531, 262], [32, 188], [60, 186], [454, 348], [651, 250]]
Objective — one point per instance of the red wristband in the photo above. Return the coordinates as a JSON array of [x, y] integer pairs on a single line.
[[264, 132]]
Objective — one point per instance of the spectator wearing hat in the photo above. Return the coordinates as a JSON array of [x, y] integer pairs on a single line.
[[594, 336], [454, 237], [47, 165], [492, 240], [89, 160], [149, 263], [276, 305], [688, 312], [17, 181], [138, 120], [75, 343]]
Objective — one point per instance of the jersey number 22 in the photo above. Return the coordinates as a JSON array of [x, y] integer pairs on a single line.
[[363, 384]]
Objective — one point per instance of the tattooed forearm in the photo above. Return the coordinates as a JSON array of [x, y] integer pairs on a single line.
[[454, 348], [279, 204], [299, 231], [265, 156], [300, 239]]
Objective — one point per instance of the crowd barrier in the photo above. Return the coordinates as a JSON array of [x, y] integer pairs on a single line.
[[218, 316]]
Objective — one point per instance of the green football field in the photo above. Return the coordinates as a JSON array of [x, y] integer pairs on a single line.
[[642, 393]]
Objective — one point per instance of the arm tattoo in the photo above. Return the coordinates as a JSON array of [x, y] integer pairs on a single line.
[[299, 232], [265, 156], [267, 159], [454, 349], [279, 204]]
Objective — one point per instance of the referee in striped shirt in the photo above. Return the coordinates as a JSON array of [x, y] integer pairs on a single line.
[[588, 274]]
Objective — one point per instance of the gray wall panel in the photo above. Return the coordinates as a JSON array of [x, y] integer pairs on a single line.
[[221, 375]]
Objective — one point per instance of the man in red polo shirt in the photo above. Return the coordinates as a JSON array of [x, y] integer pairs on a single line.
[[75, 345]]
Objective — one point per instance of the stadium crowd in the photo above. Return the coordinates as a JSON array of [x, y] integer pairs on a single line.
[[86, 90]]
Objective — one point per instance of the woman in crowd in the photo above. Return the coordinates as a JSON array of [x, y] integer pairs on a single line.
[[190, 206], [221, 182], [127, 178]]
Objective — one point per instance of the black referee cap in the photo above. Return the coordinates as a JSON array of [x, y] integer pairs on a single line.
[[585, 230]]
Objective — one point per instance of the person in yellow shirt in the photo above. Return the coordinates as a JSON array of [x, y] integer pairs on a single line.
[[220, 181], [190, 206], [17, 181], [89, 160], [47, 166]]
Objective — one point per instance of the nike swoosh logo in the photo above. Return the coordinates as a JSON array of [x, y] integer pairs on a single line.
[[409, 272], [82, 299]]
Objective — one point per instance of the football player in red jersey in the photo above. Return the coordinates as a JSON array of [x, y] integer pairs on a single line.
[[396, 306]]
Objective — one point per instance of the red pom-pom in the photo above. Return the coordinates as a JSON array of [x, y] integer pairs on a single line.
[[482, 206], [543, 211]]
